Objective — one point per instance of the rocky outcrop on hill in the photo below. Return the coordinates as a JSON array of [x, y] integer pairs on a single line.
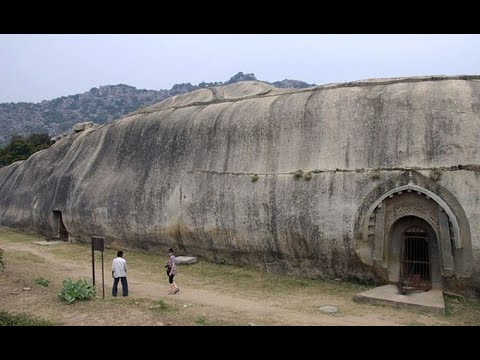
[[100, 105]]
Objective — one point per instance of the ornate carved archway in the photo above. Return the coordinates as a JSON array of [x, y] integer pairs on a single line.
[[413, 195]]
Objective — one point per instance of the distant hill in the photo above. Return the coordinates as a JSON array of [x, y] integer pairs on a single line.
[[99, 105]]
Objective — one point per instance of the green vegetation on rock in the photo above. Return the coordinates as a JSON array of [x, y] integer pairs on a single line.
[[20, 147]]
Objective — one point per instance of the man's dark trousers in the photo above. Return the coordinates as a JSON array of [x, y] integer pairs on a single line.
[[124, 286]]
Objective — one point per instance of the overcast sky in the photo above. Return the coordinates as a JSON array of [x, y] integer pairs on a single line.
[[38, 67]]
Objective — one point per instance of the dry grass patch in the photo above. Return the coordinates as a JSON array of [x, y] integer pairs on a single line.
[[462, 311], [24, 257], [17, 236], [252, 280], [212, 294]]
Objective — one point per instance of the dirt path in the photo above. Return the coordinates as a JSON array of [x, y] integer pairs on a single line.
[[197, 303]]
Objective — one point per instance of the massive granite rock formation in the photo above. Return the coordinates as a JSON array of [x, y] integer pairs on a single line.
[[319, 181]]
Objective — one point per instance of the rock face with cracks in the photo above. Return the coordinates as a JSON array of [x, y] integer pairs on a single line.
[[289, 180]]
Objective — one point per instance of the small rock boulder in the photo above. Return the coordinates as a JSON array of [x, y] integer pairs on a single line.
[[185, 260], [83, 126], [57, 138], [328, 309]]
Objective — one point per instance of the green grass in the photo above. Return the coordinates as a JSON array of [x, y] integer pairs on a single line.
[[201, 321], [42, 281], [7, 319], [161, 306]]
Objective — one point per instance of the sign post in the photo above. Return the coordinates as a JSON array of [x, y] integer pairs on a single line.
[[98, 244], [93, 263], [103, 280]]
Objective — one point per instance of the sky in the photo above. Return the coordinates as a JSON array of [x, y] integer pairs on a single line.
[[46, 66]]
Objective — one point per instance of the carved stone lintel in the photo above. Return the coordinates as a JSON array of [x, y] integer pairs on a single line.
[[409, 209]]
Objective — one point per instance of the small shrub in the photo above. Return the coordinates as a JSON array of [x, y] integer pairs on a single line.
[[80, 290], [2, 265], [435, 174], [308, 176], [375, 174], [254, 177], [201, 321], [42, 281], [298, 174]]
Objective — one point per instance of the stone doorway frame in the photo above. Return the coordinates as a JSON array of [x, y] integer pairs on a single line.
[[62, 231], [395, 245]]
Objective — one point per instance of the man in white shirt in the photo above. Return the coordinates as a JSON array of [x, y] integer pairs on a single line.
[[119, 272]]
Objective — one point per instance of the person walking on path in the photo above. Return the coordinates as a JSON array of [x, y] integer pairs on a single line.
[[119, 272], [171, 272]]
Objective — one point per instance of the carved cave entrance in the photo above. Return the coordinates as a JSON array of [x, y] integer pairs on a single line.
[[62, 233], [411, 235], [411, 240]]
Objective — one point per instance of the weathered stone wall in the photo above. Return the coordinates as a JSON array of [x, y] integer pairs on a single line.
[[181, 173]]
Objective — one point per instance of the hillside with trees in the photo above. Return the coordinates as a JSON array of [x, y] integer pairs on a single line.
[[20, 147], [100, 105]]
